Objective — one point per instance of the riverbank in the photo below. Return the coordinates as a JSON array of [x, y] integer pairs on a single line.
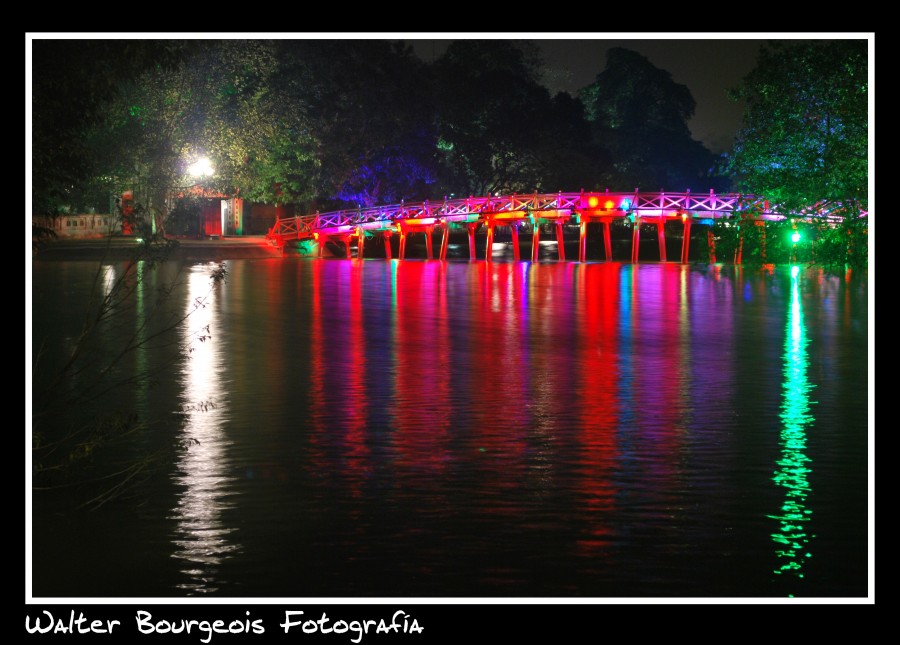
[[123, 248]]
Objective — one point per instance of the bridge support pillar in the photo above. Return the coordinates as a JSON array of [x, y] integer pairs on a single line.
[[360, 243], [402, 251], [429, 244], [320, 243], [582, 241], [607, 241], [489, 245], [636, 240], [711, 243], [445, 241], [661, 236], [559, 241], [515, 240], [686, 241], [472, 228], [387, 244], [535, 241], [762, 241]]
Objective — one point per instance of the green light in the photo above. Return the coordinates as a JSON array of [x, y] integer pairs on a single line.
[[795, 237]]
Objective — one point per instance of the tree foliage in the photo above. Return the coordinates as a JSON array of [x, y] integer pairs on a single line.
[[805, 132], [72, 83], [639, 116], [220, 103], [324, 124], [499, 129], [370, 107]]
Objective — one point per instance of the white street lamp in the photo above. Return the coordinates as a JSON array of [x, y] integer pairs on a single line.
[[201, 168]]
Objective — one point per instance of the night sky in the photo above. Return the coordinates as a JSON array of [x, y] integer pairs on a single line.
[[708, 67]]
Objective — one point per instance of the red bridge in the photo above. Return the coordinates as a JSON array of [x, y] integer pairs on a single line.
[[555, 210]]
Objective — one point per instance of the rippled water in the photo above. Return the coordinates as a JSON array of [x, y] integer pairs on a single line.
[[453, 429]]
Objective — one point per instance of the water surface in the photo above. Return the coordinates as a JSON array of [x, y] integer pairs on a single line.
[[452, 429]]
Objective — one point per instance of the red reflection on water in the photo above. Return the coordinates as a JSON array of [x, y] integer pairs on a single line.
[[499, 351], [422, 408], [598, 399], [550, 327], [317, 350]]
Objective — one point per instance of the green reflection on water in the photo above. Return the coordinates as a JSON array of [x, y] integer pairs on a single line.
[[792, 537]]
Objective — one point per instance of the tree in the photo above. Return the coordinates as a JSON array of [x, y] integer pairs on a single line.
[[567, 157], [369, 104], [218, 99], [805, 132], [72, 82], [491, 113], [221, 104], [639, 116]]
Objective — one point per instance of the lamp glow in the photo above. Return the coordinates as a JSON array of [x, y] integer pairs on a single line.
[[201, 168]]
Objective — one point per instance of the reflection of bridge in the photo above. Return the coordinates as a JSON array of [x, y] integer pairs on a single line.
[[514, 210]]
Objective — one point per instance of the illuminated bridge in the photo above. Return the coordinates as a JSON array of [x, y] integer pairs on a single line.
[[514, 211]]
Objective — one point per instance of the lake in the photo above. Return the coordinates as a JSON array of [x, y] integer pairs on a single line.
[[427, 429]]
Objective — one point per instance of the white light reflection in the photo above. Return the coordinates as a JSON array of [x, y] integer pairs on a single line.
[[202, 539], [109, 279]]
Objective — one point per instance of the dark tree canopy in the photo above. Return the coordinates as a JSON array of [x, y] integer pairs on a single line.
[[370, 108], [324, 124], [805, 134], [499, 128], [639, 115], [72, 82], [489, 105]]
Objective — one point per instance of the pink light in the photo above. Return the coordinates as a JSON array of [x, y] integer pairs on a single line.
[[423, 221]]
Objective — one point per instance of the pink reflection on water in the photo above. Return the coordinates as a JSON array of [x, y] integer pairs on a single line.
[[421, 404], [499, 353], [338, 390], [353, 360]]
